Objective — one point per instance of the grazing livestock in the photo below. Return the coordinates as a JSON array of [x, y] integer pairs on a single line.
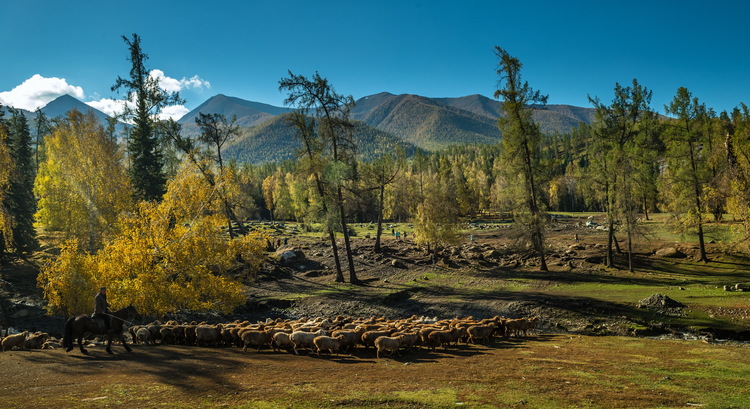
[[481, 333], [281, 340], [208, 335], [143, 336], [14, 340], [36, 341], [303, 339], [255, 338], [325, 343], [388, 344]]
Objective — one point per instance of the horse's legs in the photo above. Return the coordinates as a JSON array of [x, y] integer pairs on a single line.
[[80, 345], [109, 343]]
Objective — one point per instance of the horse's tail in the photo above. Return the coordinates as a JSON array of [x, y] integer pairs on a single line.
[[67, 341]]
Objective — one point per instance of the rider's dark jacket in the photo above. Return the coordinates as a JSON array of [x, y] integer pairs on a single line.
[[101, 305]]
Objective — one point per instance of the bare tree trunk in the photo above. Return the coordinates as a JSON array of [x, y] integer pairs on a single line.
[[334, 247], [347, 245], [380, 220]]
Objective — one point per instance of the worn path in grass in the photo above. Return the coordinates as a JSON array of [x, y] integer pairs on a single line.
[[552, 371]]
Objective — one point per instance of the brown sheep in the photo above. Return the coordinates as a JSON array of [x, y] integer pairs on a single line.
[[348, 338], [441, 338], [369, 337], [481, 333], [408, 339], [255, 337], [388, 344], [331, 344], [167, 335], [15, 340], [36, 341]]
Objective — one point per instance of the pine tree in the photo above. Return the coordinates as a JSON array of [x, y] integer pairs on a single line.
[[21, 201], [521, 137], [146, 159]]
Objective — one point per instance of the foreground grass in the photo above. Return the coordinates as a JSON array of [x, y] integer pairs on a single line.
[[546, 371]]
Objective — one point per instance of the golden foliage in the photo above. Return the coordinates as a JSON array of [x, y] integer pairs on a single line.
[[168, 257], [82, 184]]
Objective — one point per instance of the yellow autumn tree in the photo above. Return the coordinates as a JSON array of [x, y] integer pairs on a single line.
[[82, 184], [168, 257]]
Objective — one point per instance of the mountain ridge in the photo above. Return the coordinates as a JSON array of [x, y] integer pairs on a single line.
[[410, 120]]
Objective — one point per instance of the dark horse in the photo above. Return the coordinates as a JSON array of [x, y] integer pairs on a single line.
[[77, 327]]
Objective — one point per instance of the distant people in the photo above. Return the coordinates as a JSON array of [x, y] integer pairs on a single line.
[[398, 235], [286, 240], [393, 232]]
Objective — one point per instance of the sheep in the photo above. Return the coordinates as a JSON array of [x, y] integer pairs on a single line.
[[15, 340], [369, 337], [143, 335], [348, 338], [331, 344], [254, 337], [441, 338], [481, 333], [408, 339], [155, 330], [36, 341], [191, 337], [388, 344], [207, 335], [281, 340], [302, 339], [520, 326], [167, 335]]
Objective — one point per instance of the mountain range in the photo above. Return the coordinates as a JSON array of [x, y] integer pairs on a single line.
[[384, 121]]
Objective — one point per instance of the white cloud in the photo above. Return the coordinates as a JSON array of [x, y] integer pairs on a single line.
[[175, 85], [38, 91], [111, 107], [175, 112]]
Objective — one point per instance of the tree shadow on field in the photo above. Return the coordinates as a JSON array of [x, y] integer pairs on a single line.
[[187, 368]]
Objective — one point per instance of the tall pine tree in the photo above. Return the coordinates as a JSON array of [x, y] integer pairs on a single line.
[[146, 159], [520, 157], [21, 201]]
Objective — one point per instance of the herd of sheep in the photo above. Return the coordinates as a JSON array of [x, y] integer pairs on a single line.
[[23, 340], [340, 334]]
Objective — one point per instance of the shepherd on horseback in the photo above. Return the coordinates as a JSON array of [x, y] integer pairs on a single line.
[[102, 322], [101, 308]]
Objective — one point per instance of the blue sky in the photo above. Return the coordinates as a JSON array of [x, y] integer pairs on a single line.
[[570, 49]]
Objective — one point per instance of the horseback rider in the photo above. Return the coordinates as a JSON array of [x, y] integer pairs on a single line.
[[101, 307]]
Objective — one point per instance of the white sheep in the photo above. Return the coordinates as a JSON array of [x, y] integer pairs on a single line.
[[301, 339], [143, 335], [281, 340], [208, 334]]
